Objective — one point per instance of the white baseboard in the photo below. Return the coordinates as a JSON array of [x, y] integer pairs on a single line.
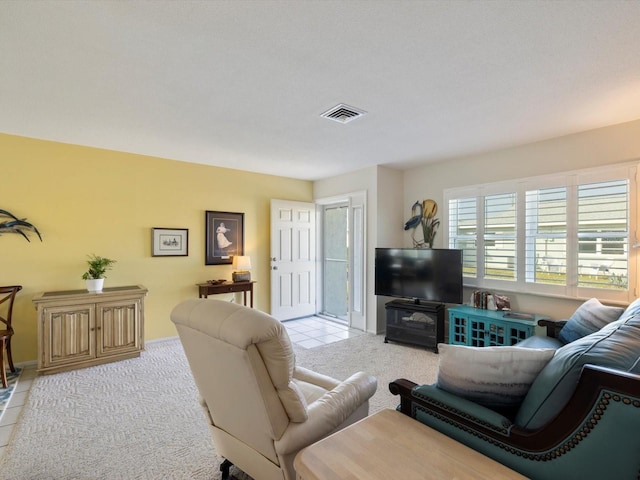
[[34, 363], [161, 340]]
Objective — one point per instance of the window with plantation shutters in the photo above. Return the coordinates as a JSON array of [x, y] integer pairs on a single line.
[[567, 235], [603, 235], [500, 236], [462, 232], [546, 236]]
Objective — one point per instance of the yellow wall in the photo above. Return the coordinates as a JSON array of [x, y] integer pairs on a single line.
[[87, 200]]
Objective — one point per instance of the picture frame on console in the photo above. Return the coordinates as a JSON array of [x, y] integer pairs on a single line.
[[224, 237], [170, 242]]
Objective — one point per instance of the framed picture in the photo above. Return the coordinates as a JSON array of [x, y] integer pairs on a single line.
[[167, 242], [224, 237]]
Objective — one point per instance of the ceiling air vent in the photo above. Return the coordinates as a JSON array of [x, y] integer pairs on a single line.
[[343, 113]]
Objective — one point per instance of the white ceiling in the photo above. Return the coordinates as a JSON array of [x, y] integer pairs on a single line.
[[242, 83]]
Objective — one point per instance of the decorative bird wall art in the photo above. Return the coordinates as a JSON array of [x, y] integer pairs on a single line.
[[12, 224], [416, 216], [423, 215]]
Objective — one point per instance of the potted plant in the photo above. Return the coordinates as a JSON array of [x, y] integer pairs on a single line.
[[94, 277]]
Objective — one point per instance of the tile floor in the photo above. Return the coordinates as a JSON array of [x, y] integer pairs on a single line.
[[307, 332], [316, 331], [14, 407]]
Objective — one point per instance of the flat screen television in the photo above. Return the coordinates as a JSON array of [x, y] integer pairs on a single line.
[[430, 275]]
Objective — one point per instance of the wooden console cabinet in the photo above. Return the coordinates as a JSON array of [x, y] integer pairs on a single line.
[[80, 329], [419, 324]]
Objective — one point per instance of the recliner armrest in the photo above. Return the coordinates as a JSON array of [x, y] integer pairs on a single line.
[[328, 412], [309, 376]]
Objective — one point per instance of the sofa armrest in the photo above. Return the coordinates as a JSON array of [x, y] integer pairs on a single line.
[[328, 412], [553, 326], [458, 408], [593, 382], [599, 422]]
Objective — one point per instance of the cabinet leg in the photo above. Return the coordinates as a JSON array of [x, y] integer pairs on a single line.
[[385, 340]]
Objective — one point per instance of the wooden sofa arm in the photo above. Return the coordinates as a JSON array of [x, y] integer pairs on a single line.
[[403, 387], [575, 414], [553, 326]]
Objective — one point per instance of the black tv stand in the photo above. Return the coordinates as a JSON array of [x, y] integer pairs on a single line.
[[416, 323]]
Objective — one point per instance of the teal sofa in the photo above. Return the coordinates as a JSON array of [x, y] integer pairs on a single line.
[[580, 419]]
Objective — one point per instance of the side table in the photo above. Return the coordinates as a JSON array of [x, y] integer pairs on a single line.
[[206, 289], [388, 445]]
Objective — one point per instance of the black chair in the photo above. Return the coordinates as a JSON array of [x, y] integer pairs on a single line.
[[7, 332]]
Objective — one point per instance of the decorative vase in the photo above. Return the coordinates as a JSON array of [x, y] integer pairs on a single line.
[[95, 284]]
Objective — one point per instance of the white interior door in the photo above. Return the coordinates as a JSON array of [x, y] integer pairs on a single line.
[[293, 259]]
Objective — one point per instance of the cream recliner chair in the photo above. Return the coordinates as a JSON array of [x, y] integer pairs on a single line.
[[262, 407]]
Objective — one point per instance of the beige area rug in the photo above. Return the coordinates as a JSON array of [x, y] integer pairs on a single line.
[[139, 418]]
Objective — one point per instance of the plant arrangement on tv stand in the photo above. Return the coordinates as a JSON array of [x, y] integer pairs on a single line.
[[423, 215]]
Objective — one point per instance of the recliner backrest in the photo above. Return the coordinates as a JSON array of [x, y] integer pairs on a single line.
[[248, 352]]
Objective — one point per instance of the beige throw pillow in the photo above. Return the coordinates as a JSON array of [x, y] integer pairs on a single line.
[[491, 376]]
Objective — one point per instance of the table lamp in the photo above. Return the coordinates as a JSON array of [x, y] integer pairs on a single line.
[[241, 267]]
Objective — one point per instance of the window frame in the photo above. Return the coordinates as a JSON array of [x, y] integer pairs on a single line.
[[569, 180]]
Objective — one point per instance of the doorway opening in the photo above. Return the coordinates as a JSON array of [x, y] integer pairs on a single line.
[[318, 260], [335, 262], [342, 259]]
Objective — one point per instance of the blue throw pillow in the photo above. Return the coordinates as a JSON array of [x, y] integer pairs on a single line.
[[590, 317]]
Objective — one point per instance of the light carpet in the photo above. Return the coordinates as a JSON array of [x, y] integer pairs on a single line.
[[140, 419]]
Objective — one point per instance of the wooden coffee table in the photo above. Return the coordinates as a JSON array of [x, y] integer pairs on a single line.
[[388, 445]]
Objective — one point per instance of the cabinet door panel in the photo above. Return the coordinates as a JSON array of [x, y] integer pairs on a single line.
[[70, 334], [497, 334], [118, 327], [478, 332], [458, 328], [518, 333]]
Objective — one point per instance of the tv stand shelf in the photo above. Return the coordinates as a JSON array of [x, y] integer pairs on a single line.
[[419, 324]]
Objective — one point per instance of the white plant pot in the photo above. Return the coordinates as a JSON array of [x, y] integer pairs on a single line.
[[95, 285]]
